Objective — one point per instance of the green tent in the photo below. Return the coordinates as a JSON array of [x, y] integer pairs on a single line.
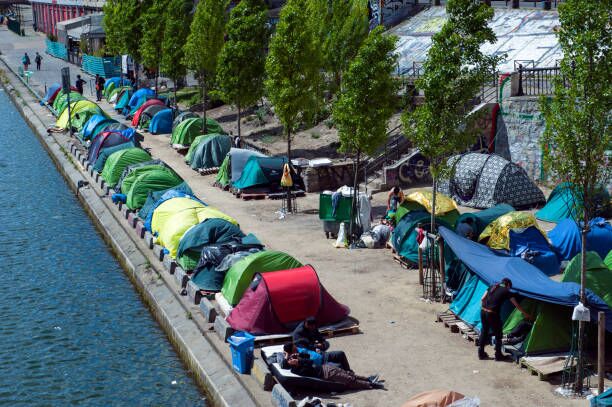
[[184, 134], [608, 260], [239, 276], [224, 176], [552, 328], [482, 218], [261, 172], [133, 171], [153, 180], [211, 151], [107, 152], [107, 91], [194, 145], [61, 100], [79, 119], [118, 161]]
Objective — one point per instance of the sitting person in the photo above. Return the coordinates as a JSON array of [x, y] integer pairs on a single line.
[[308, 339], [519, 333], [301, 364]]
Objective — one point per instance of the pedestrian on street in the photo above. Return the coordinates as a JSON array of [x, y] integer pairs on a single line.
[[38, 60], [99, 87], [25, 60], [79, 84]]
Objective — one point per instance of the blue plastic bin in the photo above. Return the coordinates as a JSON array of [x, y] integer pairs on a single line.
[[242, 345]]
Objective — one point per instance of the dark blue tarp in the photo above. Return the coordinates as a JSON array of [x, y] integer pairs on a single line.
[[527, 279], [532, 246], [566, 238], [161, 123]]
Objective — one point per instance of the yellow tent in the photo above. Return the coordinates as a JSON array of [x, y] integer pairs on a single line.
[[75, 108], [177, 217], [498, 231], [444, 204]]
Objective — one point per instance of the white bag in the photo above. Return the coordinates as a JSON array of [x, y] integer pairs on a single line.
[[340, 242]]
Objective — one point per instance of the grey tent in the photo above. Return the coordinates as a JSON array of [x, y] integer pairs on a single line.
[[147, 114], [211, 151], [238, 159], [485, 180], [182, 117]]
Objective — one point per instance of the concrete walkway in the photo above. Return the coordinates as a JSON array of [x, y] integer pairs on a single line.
[[400, 339]]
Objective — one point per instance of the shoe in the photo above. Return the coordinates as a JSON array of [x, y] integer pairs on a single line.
[[483, 356], [378, 385], [373, 378], [501, 358]]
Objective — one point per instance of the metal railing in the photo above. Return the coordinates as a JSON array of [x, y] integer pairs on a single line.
[[536, 81]]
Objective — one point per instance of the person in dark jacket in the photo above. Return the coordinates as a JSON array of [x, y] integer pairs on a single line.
[[301, 364], [99, 87], [492, 301], [307, 338], [79, 84]]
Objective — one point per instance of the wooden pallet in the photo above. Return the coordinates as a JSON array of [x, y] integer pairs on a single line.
[[268, 340], [283, 195], [208, 171], [402, 261], [456, 325], [546, 366], [249, 197]]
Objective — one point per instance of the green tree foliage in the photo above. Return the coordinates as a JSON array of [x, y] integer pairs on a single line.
[[453, 73], [176, 30], [112, 27], [367, 99], [340, 27], [152, 21], [242, 61], [204, 44], [292, 68]]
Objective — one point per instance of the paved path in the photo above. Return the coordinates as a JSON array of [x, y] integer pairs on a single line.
[[400, 339]]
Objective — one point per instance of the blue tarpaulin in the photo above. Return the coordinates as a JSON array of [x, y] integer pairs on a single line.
[[566, 238], [531, 245], [527, 279]]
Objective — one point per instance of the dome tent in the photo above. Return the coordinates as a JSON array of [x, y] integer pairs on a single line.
[[483, 181], [155, 179], [138, 99], [93, 126], [161, 122], [115, 94], [566, 202], [233, 164], [532, 246], [51, 92], [80, 112], [147, 115], [128, 172], [123, 98], [105, 153], [566, 238], [61, 100], [211, 151], [104, 140], [174, 203], [118, 161], [181, 117], [497, 234], [156, 198], [240, 275], [150, 102], [186, 131], [275, 303], [265, 173]]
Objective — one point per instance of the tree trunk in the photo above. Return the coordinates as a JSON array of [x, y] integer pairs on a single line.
[[354, 205], [289, 205], [175, 86], [204, 106], [156, 79], [433, 204], [238, 121], [581, 324]]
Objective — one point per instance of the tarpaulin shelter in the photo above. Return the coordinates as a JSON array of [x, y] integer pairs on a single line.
[[118, 161], [104, 140], [156, 198], [187, 130], [147, 115], [566, 238], [138, 99], [240, 275], [482, 219], [93, 125], [422, 200], [262, 172], [51, 92], [153, 180], [532, 246], [211, 151], [496, 234], [172, 230], [212, 230], [60, 102], [275, 303], [485, 180], [123, 99], [194, 145], [161, 122], [181, 117], [105, 153], [527, 280], [150, 102], [233, 164]]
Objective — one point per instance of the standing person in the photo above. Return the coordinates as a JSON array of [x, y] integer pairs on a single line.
[[38, 60], [25, 60], [492, 301], [79, 84], [99, 87], [394, 199]]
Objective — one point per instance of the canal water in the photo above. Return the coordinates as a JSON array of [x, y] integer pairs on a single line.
[[73, 330]]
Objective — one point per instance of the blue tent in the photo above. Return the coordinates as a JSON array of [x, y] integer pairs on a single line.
[[532, 246], [602, 400], [161, 123], [92, 124], [137, 99], [527, 280], [123, 99], [51, 91], [566, 238], [117, 81]]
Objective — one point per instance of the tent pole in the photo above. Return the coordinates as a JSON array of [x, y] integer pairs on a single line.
[[601, 351], [442, 276]]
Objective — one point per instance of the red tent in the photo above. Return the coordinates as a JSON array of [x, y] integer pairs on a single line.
[[276, 302], [146, 104]]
